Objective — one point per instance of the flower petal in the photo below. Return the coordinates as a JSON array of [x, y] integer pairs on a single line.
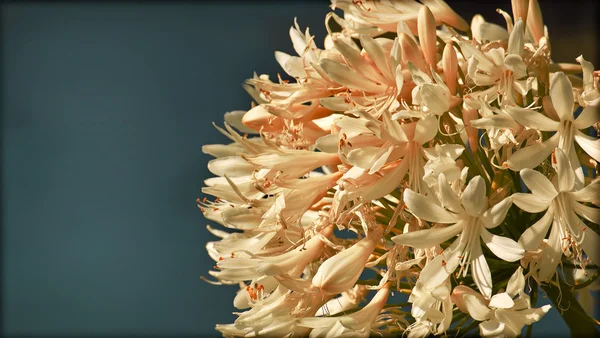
[[480, 270], [473, 198], [424, 208], [477, 309], [589, 115], [491, 328], [589, 213], [501, 301], [447, 196], [529, 202], [551, 254], [591, 245], [531, 156], [503, 247], [589, 144], [423, 239], [566, 175], [561, 93], [493, 216], [532, 119], [535, 234], [539, 184], [346, 76], [516, 283], [590, 193]]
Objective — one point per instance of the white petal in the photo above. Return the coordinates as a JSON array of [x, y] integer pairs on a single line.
[[426, 129], [532, 119], [474, 198], [477, 309], [539, 184], [531, 156], [357, 62], [589, 213], [535, 234], [501, 301], [591, 245], [480, 270], [423, 239], [233, 166], [424, 208], [376, 53], [535, 314], [344, 75], [561, 93], [495, 215], [491, 328], [447, 195], [529, 202], [503, 247], [589, 115], [566, 175], [551, 254], [590, 193], [234, 118], [516, 283], [589, 144], [436, 272]]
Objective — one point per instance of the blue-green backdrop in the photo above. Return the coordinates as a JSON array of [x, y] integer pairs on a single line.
[[105, 107]]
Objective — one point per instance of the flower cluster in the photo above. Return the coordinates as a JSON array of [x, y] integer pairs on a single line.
[[412, 154]]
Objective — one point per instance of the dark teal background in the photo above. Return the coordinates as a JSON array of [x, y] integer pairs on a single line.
[[105, 108]]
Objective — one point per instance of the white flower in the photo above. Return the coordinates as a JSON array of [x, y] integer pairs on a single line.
[[357, 324], [432, 309], [470, 219], [560, 201], [503, 315], [567, 129]]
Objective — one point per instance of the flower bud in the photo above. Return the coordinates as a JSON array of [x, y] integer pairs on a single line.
[[411, 52], [450, 67], [340, 272], [535, 22], [520, 9], [427, 35], [472, 133]]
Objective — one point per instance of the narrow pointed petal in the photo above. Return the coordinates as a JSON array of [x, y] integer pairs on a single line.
[[529, 202], [535, 234], [589, 213], [561, 93], [532, 156], [493, 216], [591, 193], [551, 254], [589, 115], [535, 23], [589, 144], [344, 75], [516, 283], [503, 247], [516, 39], [480, 270], [450, 67], [532, 119], [474, 198], [377, 54], [427, 34], [539, 184], [591, 245], [566, 175], [423, 239], [423, 207], [447, 196]]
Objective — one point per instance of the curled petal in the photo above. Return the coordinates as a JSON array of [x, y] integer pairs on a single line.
[[539, 184], [535, 234], [423, 207], [561, 93], [531, 156], [503, 247], [529, 202]]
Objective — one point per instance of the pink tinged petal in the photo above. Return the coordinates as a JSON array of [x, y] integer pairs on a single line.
[[233, 166], [535, 234], [516, 283], [480, 270], [493, 216], [357, 62], [561, 93], [501, 301], [450, 67], [589, 115], [589, 144], [424, 208], [423, 239], [477, 308], [399, 79], [411, 52], [551, 254], [328, 143], [589, 213], [458, 294], [531, 156], [503, 247], [530, 202], [473, 198], [427, 35], [535, 22], [566, 175], [532, 119], [591, 245], [590, 193], [447, 196], [491, 328], [516, 39], [344, 75], [426, 129], [373, 48], [539, 184]]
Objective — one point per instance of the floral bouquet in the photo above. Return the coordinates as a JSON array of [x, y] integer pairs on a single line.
[[417, 175]]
